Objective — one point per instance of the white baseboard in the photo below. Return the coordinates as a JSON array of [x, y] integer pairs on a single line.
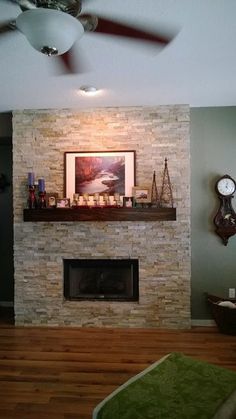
[[6, 304], [203, 322]]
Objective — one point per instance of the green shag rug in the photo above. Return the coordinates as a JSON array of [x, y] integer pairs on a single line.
[[179, 387]]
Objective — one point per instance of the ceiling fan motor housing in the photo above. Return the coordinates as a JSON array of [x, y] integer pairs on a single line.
[[72, 7]]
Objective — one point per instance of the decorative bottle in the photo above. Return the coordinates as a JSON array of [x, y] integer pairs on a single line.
[[32, 201], [42, 194]]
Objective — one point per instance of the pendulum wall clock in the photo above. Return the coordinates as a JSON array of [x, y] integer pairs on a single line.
[[225, 218]]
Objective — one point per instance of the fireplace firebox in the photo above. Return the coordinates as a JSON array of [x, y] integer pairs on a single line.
[[101, 279]]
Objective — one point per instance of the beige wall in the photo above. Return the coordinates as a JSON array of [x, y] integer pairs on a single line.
[[40, 139]]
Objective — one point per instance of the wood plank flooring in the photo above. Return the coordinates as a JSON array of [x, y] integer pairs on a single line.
[[63, 373]]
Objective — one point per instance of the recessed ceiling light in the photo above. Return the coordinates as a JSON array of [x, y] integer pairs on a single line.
[[89, 90]]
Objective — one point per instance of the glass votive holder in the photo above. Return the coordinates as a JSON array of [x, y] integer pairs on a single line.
[[106, 199], [117, 199], [85, 199], [96, 199], [75, 202]]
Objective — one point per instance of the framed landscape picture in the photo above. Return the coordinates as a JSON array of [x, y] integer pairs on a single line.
[[141, 194], [99, 172]]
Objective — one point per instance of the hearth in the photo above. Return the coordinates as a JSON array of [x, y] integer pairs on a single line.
[[101, 279]]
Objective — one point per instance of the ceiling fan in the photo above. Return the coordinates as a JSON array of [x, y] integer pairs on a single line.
[[53, 26]]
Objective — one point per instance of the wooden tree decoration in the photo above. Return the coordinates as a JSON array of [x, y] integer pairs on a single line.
[[166, 198], [154, 193]]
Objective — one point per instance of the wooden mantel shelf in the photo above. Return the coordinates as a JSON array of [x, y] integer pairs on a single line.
[[100, 214]]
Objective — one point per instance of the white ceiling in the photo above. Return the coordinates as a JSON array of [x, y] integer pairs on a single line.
[[198, 68]]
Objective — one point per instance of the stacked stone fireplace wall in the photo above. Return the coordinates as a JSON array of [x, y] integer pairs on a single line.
[[40, 139]]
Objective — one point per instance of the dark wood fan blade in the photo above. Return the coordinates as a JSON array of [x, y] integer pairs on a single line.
[[73, 62], [7, 27], [109, 27], [68, 62]]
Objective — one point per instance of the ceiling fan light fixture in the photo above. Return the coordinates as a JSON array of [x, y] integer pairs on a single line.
[[49, 31]]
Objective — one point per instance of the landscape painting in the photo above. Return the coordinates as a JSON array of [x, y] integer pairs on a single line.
[[99, 172]]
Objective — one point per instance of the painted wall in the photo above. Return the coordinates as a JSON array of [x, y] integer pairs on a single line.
[[213, 154]]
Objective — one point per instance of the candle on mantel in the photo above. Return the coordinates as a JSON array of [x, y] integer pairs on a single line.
[[30, 179], [41, 185]]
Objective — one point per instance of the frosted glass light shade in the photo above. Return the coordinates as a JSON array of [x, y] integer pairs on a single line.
[[49, 28]]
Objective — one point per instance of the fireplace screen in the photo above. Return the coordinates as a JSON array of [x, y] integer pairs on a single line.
[[101, 279]]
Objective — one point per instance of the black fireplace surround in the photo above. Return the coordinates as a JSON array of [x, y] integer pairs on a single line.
[[101, 279]]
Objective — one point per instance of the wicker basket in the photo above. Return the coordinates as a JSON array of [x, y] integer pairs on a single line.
[[224, 317]]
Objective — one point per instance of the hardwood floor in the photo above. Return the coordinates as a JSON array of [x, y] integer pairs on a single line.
[[63, 373]]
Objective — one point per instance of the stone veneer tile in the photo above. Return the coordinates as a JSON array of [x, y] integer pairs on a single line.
[[40, 139]]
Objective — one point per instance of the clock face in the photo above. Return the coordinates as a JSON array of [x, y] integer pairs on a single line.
[[226, 186]]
